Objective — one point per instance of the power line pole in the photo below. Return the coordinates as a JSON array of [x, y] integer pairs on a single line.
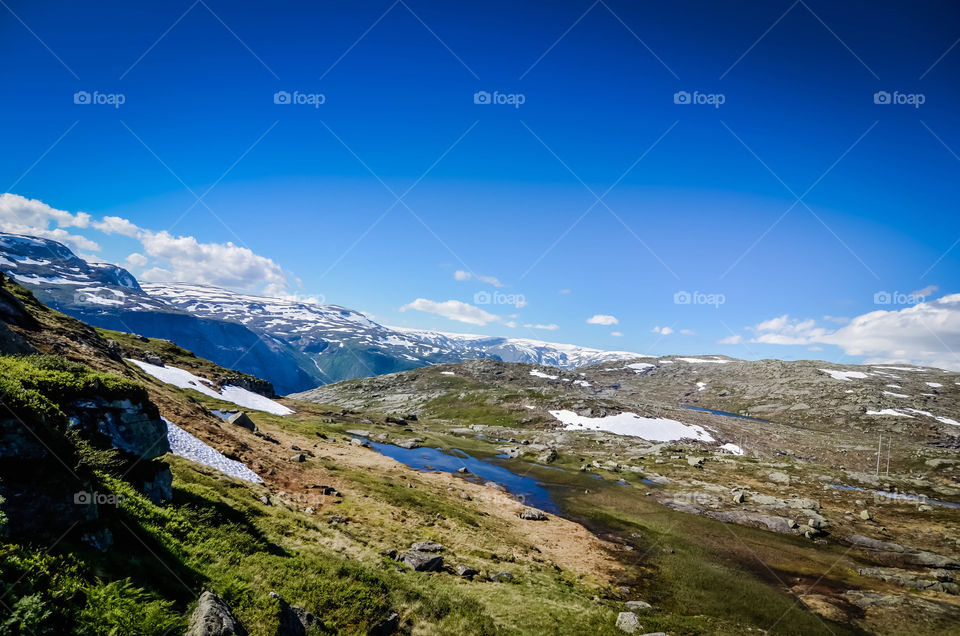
[[879, 451]]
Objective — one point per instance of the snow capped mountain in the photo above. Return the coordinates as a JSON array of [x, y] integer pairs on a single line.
[[296, 345], [326, 331]]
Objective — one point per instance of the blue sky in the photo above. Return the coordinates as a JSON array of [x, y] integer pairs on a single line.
[[702, 198]]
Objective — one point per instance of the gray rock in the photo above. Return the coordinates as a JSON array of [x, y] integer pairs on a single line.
[[638, 606], [532, 514], [865, 515], [212, 617], [628, 623], [293, 621], [466, 571], [696, 462], [501, 577], [410, 444], [421, 561], [778, 477], [427, 546], [242, 420], [159, 488], [299, 457], [548, 456]]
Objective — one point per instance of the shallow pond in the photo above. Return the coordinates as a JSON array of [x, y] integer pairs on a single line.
[[526, 489]]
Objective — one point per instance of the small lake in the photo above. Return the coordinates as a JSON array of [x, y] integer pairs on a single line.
[[725, 413], [526, 489]]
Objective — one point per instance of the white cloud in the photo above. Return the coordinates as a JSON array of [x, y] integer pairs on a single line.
[[602, 319], [616, 334], [136, 260], [663, 331], [490, 280], [20, 215], [926, 291], [550, 327], [688, 332], [564, 291], [117, 225], [454, 310], [926, 334], [731, 340]]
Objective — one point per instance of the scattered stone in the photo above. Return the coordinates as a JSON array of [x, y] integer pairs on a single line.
[[410, 444], [548, 456], [865, 515], [738, 497], [299, 457], [696, 462], [628, 623], [501, 577], [389, 625], [466, 496], [463, 470], [212, 617], [496, 486], [360, 442], [466, 571]]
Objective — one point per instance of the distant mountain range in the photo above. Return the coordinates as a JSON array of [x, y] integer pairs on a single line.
[[295, 345]]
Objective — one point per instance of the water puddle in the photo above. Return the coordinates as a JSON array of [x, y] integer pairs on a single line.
[[725, 413], [526, 489]]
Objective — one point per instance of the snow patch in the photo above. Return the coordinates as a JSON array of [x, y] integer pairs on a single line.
[[183, 379], [733, 448], [844, 375], [655, 429], [183, 444], [541, 374]]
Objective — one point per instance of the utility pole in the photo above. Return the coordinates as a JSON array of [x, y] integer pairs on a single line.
[[879, 450]]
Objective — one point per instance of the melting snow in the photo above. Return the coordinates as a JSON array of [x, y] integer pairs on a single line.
[[935, 385], [447, 373], [541, 374], [899, 395], [583, 383], [715, 360], [639, 367], [183, 379], [651, 428], [892, 412], [183, 444], [701, 386], [844, 375], [733, 448]]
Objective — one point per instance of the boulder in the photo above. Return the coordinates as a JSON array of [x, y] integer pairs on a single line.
[[421, 561], [293, 621], [466, 571], [548, 456], [638, 606], [501, 577], [212, 617], [532, 514], [299, 458], [410, 444], [159, 487], [696, 462], [628, 623], [778, 477], [242, 420]]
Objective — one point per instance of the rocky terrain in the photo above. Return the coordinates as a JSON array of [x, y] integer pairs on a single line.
[[676, 495]]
